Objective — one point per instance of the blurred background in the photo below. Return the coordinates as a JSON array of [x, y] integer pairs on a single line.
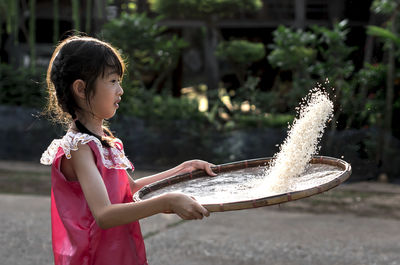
[[216, 80]]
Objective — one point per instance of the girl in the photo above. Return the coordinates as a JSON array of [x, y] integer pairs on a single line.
[[94, 220]]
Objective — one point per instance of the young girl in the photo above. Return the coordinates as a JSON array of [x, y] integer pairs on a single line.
[[94, 220]]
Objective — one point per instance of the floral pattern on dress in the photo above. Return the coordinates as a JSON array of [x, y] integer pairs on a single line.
[[112, 157]]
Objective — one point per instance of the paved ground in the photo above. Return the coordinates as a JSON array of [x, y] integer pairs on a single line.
[[356, 224], [267, 235]]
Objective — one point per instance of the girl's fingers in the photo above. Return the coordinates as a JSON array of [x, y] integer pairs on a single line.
[[197, 213], [209, 170], [205, 212], [191, 216]]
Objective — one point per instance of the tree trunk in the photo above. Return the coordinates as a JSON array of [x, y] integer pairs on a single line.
[[387, 121], [32, 32], [142, 6], [300, 13], [88, 16], [75, 14], [14, 14], [12, 27], [384, 144], [362, 95], [210, 60], [100, 17], [177, 78], [56, 21], [1, 43], [385, 136]]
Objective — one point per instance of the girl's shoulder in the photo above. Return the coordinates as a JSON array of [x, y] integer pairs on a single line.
[[112, 158]]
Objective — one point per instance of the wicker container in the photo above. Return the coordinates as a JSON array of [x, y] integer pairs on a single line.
[[259, 202]]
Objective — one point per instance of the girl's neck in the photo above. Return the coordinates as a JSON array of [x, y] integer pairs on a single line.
[[94, 125]]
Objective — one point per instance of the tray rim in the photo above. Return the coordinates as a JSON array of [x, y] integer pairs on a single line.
[[259, 202]]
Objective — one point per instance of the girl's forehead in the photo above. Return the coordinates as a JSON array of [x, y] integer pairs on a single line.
[[110, 71]]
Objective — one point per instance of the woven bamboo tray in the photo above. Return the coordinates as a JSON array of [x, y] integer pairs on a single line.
[[259, 202]]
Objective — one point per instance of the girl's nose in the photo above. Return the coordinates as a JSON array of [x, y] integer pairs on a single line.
[[120, 90]]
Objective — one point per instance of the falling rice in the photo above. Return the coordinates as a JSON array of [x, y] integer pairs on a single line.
[[301, 143], [289, 170]]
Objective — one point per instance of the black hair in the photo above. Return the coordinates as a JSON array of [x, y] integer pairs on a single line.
[[78, 57]]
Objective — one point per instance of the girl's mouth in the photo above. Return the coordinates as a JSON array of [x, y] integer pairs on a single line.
[[116, 103]]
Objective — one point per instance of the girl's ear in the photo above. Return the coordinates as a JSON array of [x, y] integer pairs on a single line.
[[79, 88]]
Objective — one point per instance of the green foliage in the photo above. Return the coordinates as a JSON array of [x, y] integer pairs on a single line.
[[158, 108], [9, 15], [21, 87], [313, 56], [336, 66], [373, 77], [32, 34], [292, 49], [76, 14], [204, 9], [246, 107], [151, 52], [384, 6], [387, 36], [9, 12], [388, 33], [335, 63], [240, 52], [383, 33], [277, 120]]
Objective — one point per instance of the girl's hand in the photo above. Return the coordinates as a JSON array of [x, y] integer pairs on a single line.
[[185, 207], [193, 165]]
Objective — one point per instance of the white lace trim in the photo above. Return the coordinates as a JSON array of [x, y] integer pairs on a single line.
[[112, 158]]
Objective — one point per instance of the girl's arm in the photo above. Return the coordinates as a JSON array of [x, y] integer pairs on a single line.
[[183, 168], [108, 215]]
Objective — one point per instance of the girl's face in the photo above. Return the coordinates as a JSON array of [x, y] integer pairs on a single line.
[[108, 92]]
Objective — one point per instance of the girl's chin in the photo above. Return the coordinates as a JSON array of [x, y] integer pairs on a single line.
[[109, 116]]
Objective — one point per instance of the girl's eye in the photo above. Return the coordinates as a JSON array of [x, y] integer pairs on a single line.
[[114, 81]]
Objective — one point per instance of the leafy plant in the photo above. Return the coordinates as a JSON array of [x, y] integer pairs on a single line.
[[336, 66], [151, 52], [241, 120], [158, 108], [21, 87], [241, 54], [209, 12], [205, 8], [312, 57], [293, 51]]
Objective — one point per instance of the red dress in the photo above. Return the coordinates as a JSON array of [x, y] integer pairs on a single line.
[[76, 237]]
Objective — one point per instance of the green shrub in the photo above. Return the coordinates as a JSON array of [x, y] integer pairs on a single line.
[[151, 53], [158, 108], [241, 52], [22, 87], [205, 8], [292, 50], [260, 121]]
